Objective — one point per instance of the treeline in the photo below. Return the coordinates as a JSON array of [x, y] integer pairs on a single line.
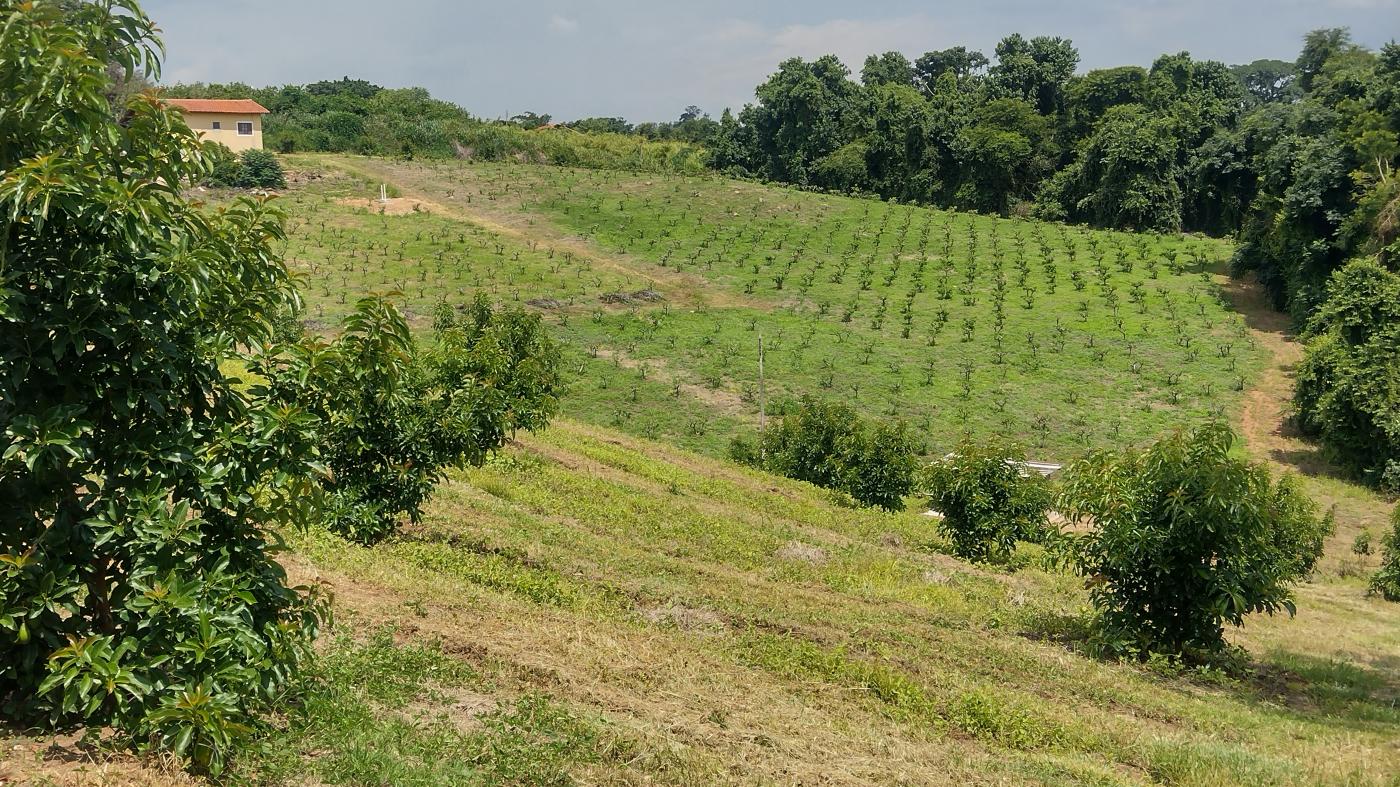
[[355, 116]]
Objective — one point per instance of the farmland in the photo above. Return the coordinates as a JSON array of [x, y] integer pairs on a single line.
[[1062, 338], [610, 602]]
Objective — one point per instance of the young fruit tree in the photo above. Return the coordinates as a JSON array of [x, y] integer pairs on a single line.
[[1386, 581], [140, 490], [987, 499], [393, 418], [828, 444], [1185, 539]]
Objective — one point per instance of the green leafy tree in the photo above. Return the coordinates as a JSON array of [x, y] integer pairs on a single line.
[[393, 418], [141, 490], [898, 159], [827, 444], [965, 66], [1269, 81], [1386, 581], [805, 111], [1126, 175], [1186, 539], [1089, 97], [890, 68], [987, 500], [1035, 71], [1348, 391], [1003, 154], [260, 169]]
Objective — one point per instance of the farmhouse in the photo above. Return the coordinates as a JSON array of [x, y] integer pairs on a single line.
[[237, 123]]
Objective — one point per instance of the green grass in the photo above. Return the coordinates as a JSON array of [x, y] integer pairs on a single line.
[[649, 598], [1104, 338], [598, 605], [381, 713]]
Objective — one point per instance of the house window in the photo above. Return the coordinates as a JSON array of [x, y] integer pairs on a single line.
[[245, 128], [216, 125]]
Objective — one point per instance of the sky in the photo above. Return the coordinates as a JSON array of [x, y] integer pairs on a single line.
[[649, 59]]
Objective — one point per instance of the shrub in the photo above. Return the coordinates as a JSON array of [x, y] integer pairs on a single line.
[[1348, 391], [829, 445], [140, 489], [1186, 539], [226, 168], [260, 169], [1386, 581], [393, 417], [987, 500]]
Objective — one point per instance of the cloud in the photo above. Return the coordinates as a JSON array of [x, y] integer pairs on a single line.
[[563, 25], [853, 39]]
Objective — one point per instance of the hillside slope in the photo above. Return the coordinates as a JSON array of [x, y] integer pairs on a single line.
[[619, 610], [598, 607]]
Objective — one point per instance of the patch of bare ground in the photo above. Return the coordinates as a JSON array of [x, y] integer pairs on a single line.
[[689, 290], [394, 206], [657, 368], [68, 760]]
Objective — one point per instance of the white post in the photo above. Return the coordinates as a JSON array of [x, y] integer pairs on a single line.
[[383, 194]]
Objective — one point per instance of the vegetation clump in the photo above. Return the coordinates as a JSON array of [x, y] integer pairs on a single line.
[[392, 417], [141, 490], [1348, 391], [987, 500], [1186, 539], [828, 444], [1386, 581], [251, 169]]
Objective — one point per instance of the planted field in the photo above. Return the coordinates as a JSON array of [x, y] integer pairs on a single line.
[[1061, 337]]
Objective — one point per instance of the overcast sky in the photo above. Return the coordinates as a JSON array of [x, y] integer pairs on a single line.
[[648, 59]]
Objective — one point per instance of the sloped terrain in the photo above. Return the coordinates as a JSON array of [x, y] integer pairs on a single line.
[[617, 610]]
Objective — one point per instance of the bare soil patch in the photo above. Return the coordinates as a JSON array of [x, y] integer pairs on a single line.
[[394, 206]]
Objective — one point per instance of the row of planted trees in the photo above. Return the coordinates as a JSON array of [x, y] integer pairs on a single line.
[[144, 486], [1175, 541]]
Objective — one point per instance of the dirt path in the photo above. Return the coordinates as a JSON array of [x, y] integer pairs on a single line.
[[685, 289], [1264, 421], [1270, 436]]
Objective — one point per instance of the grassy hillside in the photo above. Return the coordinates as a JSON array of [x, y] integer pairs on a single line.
[[1063, 338], [621, 611], [595, 606]]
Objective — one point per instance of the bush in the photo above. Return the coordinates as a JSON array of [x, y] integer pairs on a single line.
[[987, 500], [141, 491], [1386, 581], [830, 446], [226, 168], [1186, 539], [260, 169], [252, 169], [1348, 391], [393, 418]]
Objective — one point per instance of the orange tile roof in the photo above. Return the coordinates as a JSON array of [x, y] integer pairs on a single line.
[[244, 106]]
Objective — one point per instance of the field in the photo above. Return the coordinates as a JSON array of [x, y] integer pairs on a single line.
[[1061, 338], [606, 609], [611, 602]]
